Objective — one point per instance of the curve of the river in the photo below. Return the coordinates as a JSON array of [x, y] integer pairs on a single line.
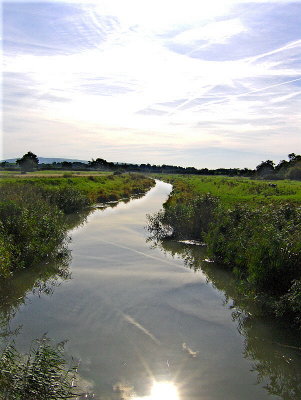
[[134, 314]]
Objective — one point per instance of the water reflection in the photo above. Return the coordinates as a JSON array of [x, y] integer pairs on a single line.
[[274, 351], [36, 281], [163, 390], [41, 279]]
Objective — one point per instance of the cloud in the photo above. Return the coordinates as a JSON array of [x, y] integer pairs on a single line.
[[214, 32], [52, 28], [169, 74]]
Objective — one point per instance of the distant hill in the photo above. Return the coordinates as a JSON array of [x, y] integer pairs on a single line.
[[45, 160]]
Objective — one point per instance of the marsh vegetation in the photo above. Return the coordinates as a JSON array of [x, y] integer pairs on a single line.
[[252, 228], [41, 374], [32, 223]]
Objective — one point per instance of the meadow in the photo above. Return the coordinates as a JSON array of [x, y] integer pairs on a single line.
[[50, 172], [233, 190]]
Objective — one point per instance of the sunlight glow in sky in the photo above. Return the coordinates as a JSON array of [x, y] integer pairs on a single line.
[[204, 84]]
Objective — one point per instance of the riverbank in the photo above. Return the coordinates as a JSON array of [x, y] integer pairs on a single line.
[[32, 209], [123, 298], [252, 228]]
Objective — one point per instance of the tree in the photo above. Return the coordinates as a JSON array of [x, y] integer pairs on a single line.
[[292, 156], [99, 163], [28, 162], [67, 165], [282, 166], [294, 173], [294, 159], [265, 167], [4, 164]]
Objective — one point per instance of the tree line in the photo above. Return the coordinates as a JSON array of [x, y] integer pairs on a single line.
[[285, 169]]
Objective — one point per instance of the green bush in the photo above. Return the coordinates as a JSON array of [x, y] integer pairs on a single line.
[[289, 305], [185, 218], [31, 229], [67, 199], [6, 255], [261, 244]]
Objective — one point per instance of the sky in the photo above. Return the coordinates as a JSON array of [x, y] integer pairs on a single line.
[[191, 83]]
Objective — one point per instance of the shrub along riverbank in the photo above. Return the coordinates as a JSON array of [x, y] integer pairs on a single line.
[[32, 224], [42, 374], [252, 228]]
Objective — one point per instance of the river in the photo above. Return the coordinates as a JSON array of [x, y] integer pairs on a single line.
[[149, 322]]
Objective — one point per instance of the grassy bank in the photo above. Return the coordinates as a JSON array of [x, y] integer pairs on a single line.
[[94, 188], [235, 190], [32, 225], [252, 228]]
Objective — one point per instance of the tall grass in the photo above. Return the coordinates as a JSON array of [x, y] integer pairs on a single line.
[[74, 192], [31, 229], [262, 244], [42, 374]]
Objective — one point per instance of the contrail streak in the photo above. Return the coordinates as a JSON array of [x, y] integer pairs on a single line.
[[289, 46], [230, 97], [249, 60], [132, 321]]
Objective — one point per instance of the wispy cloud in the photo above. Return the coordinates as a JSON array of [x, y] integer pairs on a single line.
[[174, 75]]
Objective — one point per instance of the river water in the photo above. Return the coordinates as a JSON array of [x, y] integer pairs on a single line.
[[152, 322]]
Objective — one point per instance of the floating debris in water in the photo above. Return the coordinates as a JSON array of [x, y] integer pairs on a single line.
[[188, 350], [208, 260], [192, 242]]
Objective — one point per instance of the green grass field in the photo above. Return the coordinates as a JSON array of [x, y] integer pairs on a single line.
[[17, 174], [97, 187], [236, 190]]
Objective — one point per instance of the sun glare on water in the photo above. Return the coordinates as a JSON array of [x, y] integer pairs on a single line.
[[162, 391]]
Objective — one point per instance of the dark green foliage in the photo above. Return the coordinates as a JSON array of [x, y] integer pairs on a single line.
[[39, 375], [31, 229], [262, 244], [67, 199], [28, 162], [6, 254], [186, 218], [289, 305], [265, 167], [294, 173]]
